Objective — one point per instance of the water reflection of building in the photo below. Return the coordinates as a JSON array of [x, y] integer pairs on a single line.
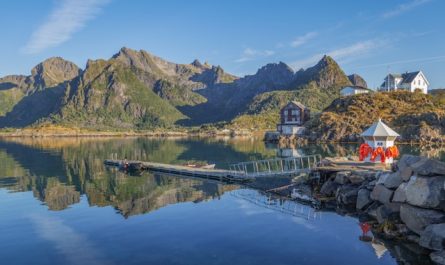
[[379, 249], [289, 152], [277, 204]]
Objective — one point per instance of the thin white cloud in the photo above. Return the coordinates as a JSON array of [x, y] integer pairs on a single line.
[[433, 59], [68, 17], [404, 8], [348, 52], [251, 54], [74, 247], [303, 39]]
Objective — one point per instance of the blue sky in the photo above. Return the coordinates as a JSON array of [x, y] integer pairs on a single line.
[[366, 37]]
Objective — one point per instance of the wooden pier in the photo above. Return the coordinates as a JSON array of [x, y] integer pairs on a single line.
[[239, 172], [215, 174]]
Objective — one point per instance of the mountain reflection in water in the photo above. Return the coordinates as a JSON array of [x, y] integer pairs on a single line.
[[165, 221]]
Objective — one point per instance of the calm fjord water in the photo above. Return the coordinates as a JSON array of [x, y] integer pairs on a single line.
[[60, 205]]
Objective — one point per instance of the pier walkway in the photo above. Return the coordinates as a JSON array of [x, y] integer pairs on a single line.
[[240, 172]]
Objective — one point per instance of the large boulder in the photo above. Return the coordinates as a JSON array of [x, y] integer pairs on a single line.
[[382, 194], [406, 173], [426, 192], [428, 167], [393, 180], [329, 188], [388, 212], [400, 193], [433, 237], [382, 178], [438, 257], [418, 218], [408, 160], [347, 195], [363, 199], [342, 177], [356, 178]]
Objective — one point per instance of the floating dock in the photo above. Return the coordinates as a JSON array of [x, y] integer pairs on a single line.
[[239, 172], [215, 174]]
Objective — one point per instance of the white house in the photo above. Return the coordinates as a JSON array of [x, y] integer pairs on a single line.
[[353, 90], [408, 81]]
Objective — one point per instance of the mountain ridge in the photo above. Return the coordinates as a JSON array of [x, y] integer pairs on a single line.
[[138, 90]]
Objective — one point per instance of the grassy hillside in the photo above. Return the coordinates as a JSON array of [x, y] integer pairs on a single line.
[[414, 116], [115, 98], [8, 99]]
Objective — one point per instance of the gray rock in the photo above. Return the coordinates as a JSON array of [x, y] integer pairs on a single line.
[[371, 185], [438, 257], [388, 212], [347, 195], [407, 160], [356, 179], [363, 199], [400, 193], [382, 194], [342, 177], [382, 178], [427, 192], [329, 188], [406, 173], [393, 180], [433, 237], [429, 167], [418, 218]]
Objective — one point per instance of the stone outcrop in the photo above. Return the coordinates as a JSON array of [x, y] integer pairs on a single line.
[[408, 203], [381, 194], [418, 218], [433, 237], [426, 192]]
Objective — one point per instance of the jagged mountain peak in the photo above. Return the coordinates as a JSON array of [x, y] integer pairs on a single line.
[[357, 80], [53, 71], [326, 73], [274, 68], [196, 63]]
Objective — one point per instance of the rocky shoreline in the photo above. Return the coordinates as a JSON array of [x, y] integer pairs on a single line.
[[286, 140], [405, 204]]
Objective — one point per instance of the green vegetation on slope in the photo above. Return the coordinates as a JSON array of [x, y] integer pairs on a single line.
[[415, 116], [117, 99], [8, 99]]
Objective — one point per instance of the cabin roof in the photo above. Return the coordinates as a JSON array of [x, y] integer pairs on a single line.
[[299, 104], [379, 129]]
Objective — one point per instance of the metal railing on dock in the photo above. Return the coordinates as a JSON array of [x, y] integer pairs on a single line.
[[279, 205], [276, 166]]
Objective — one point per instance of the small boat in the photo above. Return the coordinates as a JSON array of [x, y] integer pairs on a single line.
[[203, 166]]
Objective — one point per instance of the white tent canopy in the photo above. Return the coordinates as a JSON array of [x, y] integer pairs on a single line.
[[379, 129]]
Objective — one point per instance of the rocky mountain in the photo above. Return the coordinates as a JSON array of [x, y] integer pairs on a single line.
[[138, 90], [414, 116], [26, 99], [315, 87], [357, 80]]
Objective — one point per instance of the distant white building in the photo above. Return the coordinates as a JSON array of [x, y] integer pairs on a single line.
[[408, 81], [353, 90]]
